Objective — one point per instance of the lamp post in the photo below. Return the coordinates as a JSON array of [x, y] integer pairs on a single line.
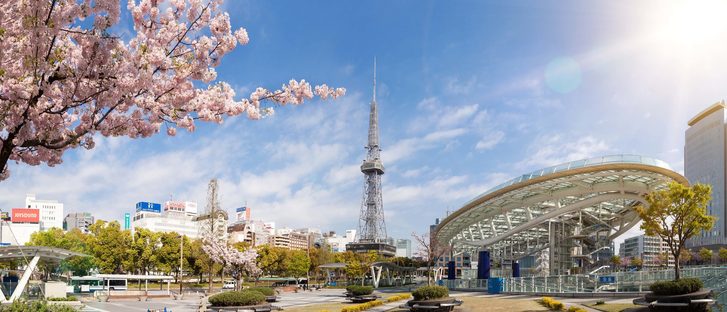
[[181, 260]]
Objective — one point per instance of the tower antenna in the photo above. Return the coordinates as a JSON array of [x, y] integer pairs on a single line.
[[374, 79]]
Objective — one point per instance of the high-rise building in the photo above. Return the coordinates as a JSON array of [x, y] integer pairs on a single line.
[[51, 211], [649, 249], [19, 226], [78, 220], [403, 248], [179, 217], [243, 213], [704, 162], [338, 243]]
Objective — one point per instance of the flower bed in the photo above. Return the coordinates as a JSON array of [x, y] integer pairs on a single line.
[[556, 305]]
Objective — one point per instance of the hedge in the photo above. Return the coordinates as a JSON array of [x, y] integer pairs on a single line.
[[398, 297], [237, 298], [267, 291], [430, 292], [362, 306], [69, 298], [35, 306], [680, 287], [360, 290]]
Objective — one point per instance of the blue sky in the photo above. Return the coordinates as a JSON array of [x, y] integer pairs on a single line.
[[471, 93]]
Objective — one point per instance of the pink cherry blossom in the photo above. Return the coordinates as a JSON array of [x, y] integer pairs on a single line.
[[66, 76], [243, 263]]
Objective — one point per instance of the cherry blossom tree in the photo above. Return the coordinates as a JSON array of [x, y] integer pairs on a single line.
[[431, 250], [65, 76], [240, 263]]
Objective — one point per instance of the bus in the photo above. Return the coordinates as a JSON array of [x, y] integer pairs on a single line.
[[85, 284]]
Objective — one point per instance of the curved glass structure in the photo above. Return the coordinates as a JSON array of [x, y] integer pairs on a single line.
[[566, 215]]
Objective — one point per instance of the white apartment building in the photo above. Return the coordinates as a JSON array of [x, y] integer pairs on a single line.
[[704, 162], [177, 216], [647, 248], [403, 248], [290, 240], [338, 243], [51, 211]]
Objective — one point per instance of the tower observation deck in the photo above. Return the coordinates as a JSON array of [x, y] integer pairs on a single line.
[[372, 228]]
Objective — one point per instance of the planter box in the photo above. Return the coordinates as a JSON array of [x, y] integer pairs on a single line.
[[364, 298], [257, 308], [434, 305], [697, 301]]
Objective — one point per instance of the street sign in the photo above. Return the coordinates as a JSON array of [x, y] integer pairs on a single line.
[[606, 279]]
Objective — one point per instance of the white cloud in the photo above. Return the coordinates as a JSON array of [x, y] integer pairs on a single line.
[[457, 116], [413, 173], [406, 147], [348, 69], [454, 86], [490, 140], [429, 103], [547, 150]]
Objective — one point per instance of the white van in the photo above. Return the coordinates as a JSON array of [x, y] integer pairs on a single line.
[[228, 285]]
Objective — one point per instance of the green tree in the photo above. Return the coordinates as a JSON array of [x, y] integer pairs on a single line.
[[108, 244], [141, 257], [676, 214], [615, 261], [354, 267], [73, 240], [320, 255], [705, 255], [663, 259], [685, 256], [197, 258], [271, 260], [167, 253], [637, 262], [297, 263], [722, 254]]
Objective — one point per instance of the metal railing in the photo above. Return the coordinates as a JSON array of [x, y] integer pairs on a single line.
[[714, 278]]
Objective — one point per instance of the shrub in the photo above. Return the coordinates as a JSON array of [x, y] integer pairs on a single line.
[[363, 306], [398, 297], [267, 291], [575, 309], [430, 292], [237, 298], [33, 306], [69, 298], [360, 290], [600, 302], [552, 304], [680, 287]]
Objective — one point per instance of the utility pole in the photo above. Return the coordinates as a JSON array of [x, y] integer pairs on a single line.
[[181, 260]]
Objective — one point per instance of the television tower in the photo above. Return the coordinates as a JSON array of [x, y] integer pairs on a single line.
[[371, 226]]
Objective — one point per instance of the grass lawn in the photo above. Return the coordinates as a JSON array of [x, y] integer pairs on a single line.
[[611, 307], [476, 304]]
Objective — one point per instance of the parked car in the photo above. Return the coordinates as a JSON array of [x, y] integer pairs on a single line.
[[228, 285]]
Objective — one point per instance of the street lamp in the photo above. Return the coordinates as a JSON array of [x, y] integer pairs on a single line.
[[181, 260]]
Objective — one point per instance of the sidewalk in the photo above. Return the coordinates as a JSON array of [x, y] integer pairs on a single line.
[[388, 306]]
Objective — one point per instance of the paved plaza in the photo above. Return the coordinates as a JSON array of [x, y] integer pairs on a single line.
[[300, 299], [192, 304]]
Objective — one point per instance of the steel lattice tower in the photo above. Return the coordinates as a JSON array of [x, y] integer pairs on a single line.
[[371, 226]]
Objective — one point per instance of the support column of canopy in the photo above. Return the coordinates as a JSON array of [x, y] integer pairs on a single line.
[[25, 278]]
